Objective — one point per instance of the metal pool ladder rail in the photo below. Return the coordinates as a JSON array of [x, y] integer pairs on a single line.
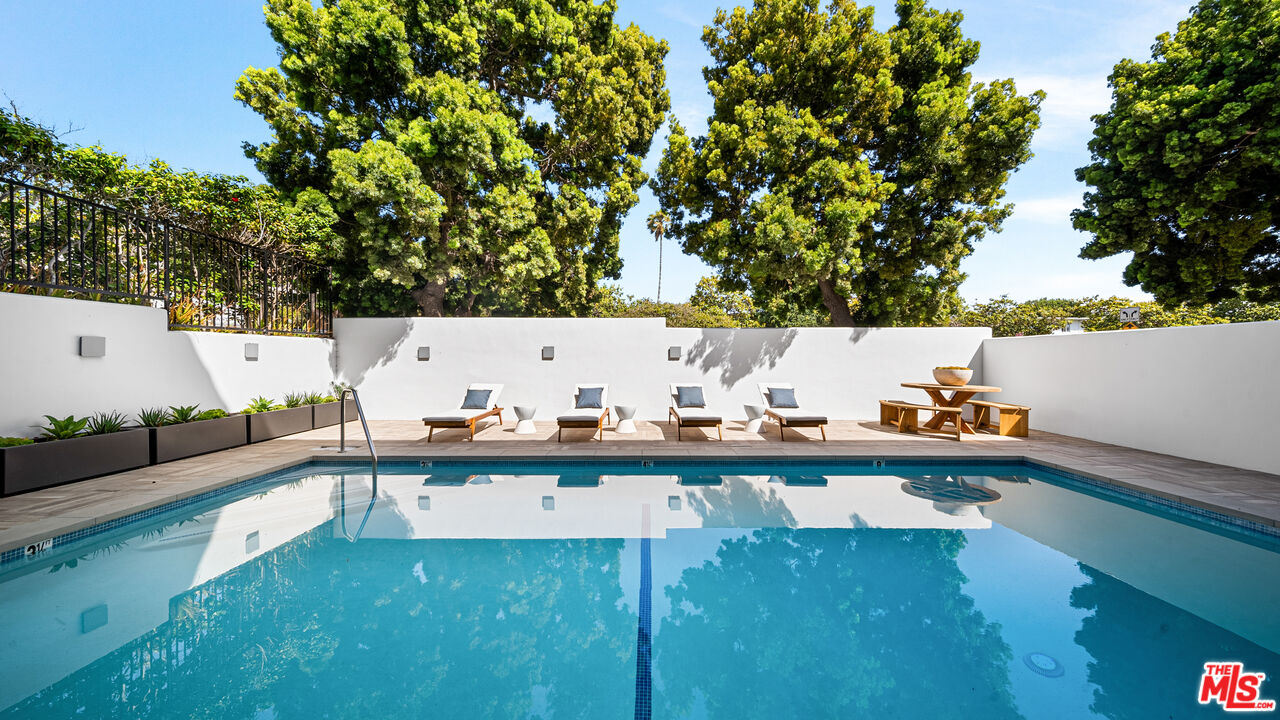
[[342, 428]]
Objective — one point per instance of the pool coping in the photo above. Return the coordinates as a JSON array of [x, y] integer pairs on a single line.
[[135, 503]]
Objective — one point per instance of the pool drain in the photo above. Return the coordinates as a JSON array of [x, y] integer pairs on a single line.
[[1042, 664]]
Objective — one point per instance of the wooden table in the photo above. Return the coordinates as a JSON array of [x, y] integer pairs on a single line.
[[959, 396]]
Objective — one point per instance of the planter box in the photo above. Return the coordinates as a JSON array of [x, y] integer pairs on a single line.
[[173, 442], [31, 467], [278, 423], [326, 414]]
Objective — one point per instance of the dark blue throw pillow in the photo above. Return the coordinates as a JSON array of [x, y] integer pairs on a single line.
[[782, 398], [590, 397], [690, 397], [476, 399]]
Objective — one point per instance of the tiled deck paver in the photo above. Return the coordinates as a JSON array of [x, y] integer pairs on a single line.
[[34, 516]]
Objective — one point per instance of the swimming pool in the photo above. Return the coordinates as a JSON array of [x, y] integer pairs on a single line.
[[629, 589]]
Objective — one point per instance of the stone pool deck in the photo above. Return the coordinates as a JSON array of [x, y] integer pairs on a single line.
[[35, 516]]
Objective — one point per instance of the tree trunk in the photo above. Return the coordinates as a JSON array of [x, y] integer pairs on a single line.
[[658, 299], [836, 304], [430, 298]]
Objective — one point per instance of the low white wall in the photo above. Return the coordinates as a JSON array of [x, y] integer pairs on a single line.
[[1206, 393], [839, 372], [145, 365]]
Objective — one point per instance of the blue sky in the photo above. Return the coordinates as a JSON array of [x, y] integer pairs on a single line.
[[154, 79]]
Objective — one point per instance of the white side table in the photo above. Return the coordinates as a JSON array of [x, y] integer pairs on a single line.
[[524, 419], [626, 425], [755, 417]]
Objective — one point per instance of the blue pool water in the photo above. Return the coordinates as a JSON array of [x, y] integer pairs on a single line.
[[621, 591]]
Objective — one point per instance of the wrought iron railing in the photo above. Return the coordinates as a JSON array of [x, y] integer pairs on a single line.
[[54, 243]]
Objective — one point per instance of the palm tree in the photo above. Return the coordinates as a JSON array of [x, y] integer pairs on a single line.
[[658, 226]]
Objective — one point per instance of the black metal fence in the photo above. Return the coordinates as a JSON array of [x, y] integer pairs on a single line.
[[53, 243]]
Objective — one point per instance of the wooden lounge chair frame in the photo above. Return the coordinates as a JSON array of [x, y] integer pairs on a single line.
[[674, 412], [906, 416], [783, 421], [469, 422], [598, 423], [1015, 420]]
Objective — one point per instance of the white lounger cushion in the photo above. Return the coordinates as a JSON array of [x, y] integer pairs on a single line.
[[700, 415], [580, 416], [797, 415], [459, 414]]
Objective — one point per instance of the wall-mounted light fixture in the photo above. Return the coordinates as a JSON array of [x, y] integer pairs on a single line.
[[93, 618], [548, 352], [424, 502], [548, 502], [424, 353], [251, 352], [673, 502], [93, 346], [251, 542], [673, 352]]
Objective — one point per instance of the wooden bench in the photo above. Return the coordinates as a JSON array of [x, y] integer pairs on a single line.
[[906, 415], [1015, 420]]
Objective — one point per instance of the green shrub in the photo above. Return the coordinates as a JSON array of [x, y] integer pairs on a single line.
[[153, 417], [213, 414], [106, 422], [183, 414], [14, 441], [63, 429], [260, 404]]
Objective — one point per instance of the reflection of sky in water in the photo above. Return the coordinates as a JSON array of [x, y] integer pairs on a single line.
[[889, 602]]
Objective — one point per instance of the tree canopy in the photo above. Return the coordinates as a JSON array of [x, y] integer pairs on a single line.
[[1007, 317], [1186, 164], [224, 205], [479, 156], [845, 169]]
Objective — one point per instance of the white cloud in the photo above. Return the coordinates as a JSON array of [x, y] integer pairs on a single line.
[[1069, 105], [1056, 209]]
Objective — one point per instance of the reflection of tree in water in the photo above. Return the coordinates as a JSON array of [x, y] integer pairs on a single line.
[[1148, 655], [322, 628], [832, 623]]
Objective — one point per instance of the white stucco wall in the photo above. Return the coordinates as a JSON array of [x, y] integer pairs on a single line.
[[145, 364], [1206, 393], [840, 372]]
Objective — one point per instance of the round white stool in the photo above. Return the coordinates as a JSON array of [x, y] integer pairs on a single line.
[[755, 417], [626, 425], [524, 419]]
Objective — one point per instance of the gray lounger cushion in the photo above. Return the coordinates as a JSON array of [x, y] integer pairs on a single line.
[[580, 417], [448, 418], [689, 396], [590, 397], [782, 398], [795, 417]]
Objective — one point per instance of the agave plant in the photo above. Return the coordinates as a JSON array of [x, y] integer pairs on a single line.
[[260, 404], [183, 413], [106, 422], [314, 398], [63, 429], [293, 400], [153, 417]]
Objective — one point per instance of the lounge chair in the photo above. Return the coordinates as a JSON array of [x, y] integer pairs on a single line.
[[590, 409], [690, 409], [786, 411], [481, 401]]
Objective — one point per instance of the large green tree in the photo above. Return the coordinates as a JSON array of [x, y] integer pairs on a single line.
[[845, 168], [1186, 164], [479, 155]]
